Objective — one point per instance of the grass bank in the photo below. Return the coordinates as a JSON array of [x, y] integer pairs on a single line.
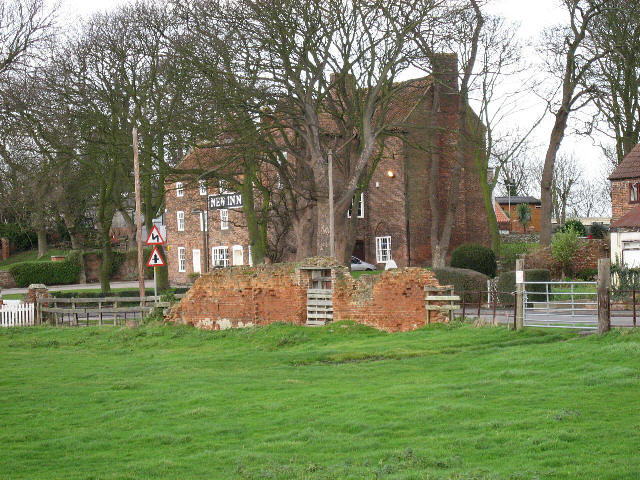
[[336, 402]]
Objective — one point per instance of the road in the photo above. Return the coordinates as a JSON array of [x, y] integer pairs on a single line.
[[78, 286], [618, 318]]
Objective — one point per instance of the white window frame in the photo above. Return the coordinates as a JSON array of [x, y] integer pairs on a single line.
[[179, 189], [203, 187], [360, 207], [234, 249], [383, 256], [224, 219], [182, 259], [220, 256], [250, 257], [204, 222], [181, 220]]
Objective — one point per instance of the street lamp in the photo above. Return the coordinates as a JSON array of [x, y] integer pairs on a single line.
[[204, 221]]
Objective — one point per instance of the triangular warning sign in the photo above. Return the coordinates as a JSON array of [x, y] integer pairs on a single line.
[[155, 260], [154, 237]]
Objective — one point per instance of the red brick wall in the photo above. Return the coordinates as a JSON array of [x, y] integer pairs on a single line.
[[244, 296], [393, 301], [247, 296]]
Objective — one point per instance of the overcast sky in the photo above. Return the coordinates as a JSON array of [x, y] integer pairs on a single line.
[[533, 17]]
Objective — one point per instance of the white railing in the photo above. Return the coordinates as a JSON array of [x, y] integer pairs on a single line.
[[17, 315]]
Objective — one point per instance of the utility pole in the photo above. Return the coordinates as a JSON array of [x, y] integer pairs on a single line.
[[332, 247], [136, 171]]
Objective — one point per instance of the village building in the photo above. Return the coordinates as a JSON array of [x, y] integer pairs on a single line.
[[507, 213], [393, 214], [625, 210]]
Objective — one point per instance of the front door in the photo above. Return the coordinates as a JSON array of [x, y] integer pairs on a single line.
[[358, 250], [197, 268]]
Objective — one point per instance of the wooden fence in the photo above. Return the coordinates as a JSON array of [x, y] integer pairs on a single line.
[[16, 315], [97, 311]]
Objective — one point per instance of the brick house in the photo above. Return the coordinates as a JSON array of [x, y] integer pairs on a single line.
[[625, 210], [393, 215]]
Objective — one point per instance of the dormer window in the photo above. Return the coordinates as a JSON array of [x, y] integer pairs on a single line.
[[634, 192]]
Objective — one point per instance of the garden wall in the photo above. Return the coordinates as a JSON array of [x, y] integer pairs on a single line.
[[247, 296], [585, 258]]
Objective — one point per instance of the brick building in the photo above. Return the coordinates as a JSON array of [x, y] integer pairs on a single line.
[[394, 214], [510, 207], [625, 210]]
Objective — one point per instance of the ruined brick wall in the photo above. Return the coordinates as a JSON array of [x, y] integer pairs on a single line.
[[393, 301], [244, 296], [253, 296]]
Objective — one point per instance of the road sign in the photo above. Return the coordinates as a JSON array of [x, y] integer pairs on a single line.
[[154, 237], [155, 260]]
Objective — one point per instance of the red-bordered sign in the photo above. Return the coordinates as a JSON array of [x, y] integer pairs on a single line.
[[154, 237], [155, 260]]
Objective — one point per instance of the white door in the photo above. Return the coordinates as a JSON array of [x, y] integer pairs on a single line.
[[238, 257], [197, 268]]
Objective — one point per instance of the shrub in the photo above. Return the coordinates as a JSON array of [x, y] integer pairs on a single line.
[[507, 283], [509, 253], [475, 257], [587, 274], [564, 247], [624, 279], [465, 282], [575, 225], [598, 230], [49, 273]]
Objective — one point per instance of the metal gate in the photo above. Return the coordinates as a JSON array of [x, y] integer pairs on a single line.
[[561, 305]]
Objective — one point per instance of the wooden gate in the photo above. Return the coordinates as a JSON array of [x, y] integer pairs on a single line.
[[320, 297]]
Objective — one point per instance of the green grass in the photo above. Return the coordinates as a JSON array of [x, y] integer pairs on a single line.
[[359, 273], [336, 402], [30, 256]]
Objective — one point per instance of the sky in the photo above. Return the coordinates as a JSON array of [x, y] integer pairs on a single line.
[[532, 16]]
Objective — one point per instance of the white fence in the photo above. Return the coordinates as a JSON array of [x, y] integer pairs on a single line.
[[16, 314]]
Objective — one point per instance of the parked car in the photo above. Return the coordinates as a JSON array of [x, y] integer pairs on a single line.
[[357, 264]]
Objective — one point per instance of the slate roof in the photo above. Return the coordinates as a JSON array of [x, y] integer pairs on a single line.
[[630, 220], [517, 199], [629, 167]]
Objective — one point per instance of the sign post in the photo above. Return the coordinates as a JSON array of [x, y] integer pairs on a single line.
[[155, 259]]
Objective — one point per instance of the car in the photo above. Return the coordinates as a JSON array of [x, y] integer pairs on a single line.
[[357, 264]]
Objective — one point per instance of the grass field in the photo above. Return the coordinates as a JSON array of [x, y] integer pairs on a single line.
[[336, 402]]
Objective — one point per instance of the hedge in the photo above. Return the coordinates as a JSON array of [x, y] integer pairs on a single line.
[[49, 273], [475, 257], [507, 283], [119, 293], [465, 282]]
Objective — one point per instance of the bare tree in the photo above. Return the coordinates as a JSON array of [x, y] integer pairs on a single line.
[[568, 55], [617, 75]]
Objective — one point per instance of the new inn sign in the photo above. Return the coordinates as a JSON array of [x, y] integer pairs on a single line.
[[224, 201]]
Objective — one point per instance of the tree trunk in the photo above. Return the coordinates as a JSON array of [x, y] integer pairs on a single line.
[[105, 269], [304, 230], [70, 224], [546, 197], [41, 231]]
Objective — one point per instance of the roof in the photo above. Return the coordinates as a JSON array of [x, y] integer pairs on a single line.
[[630, 220], [501, 217], [517, 199], [629, 167]]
